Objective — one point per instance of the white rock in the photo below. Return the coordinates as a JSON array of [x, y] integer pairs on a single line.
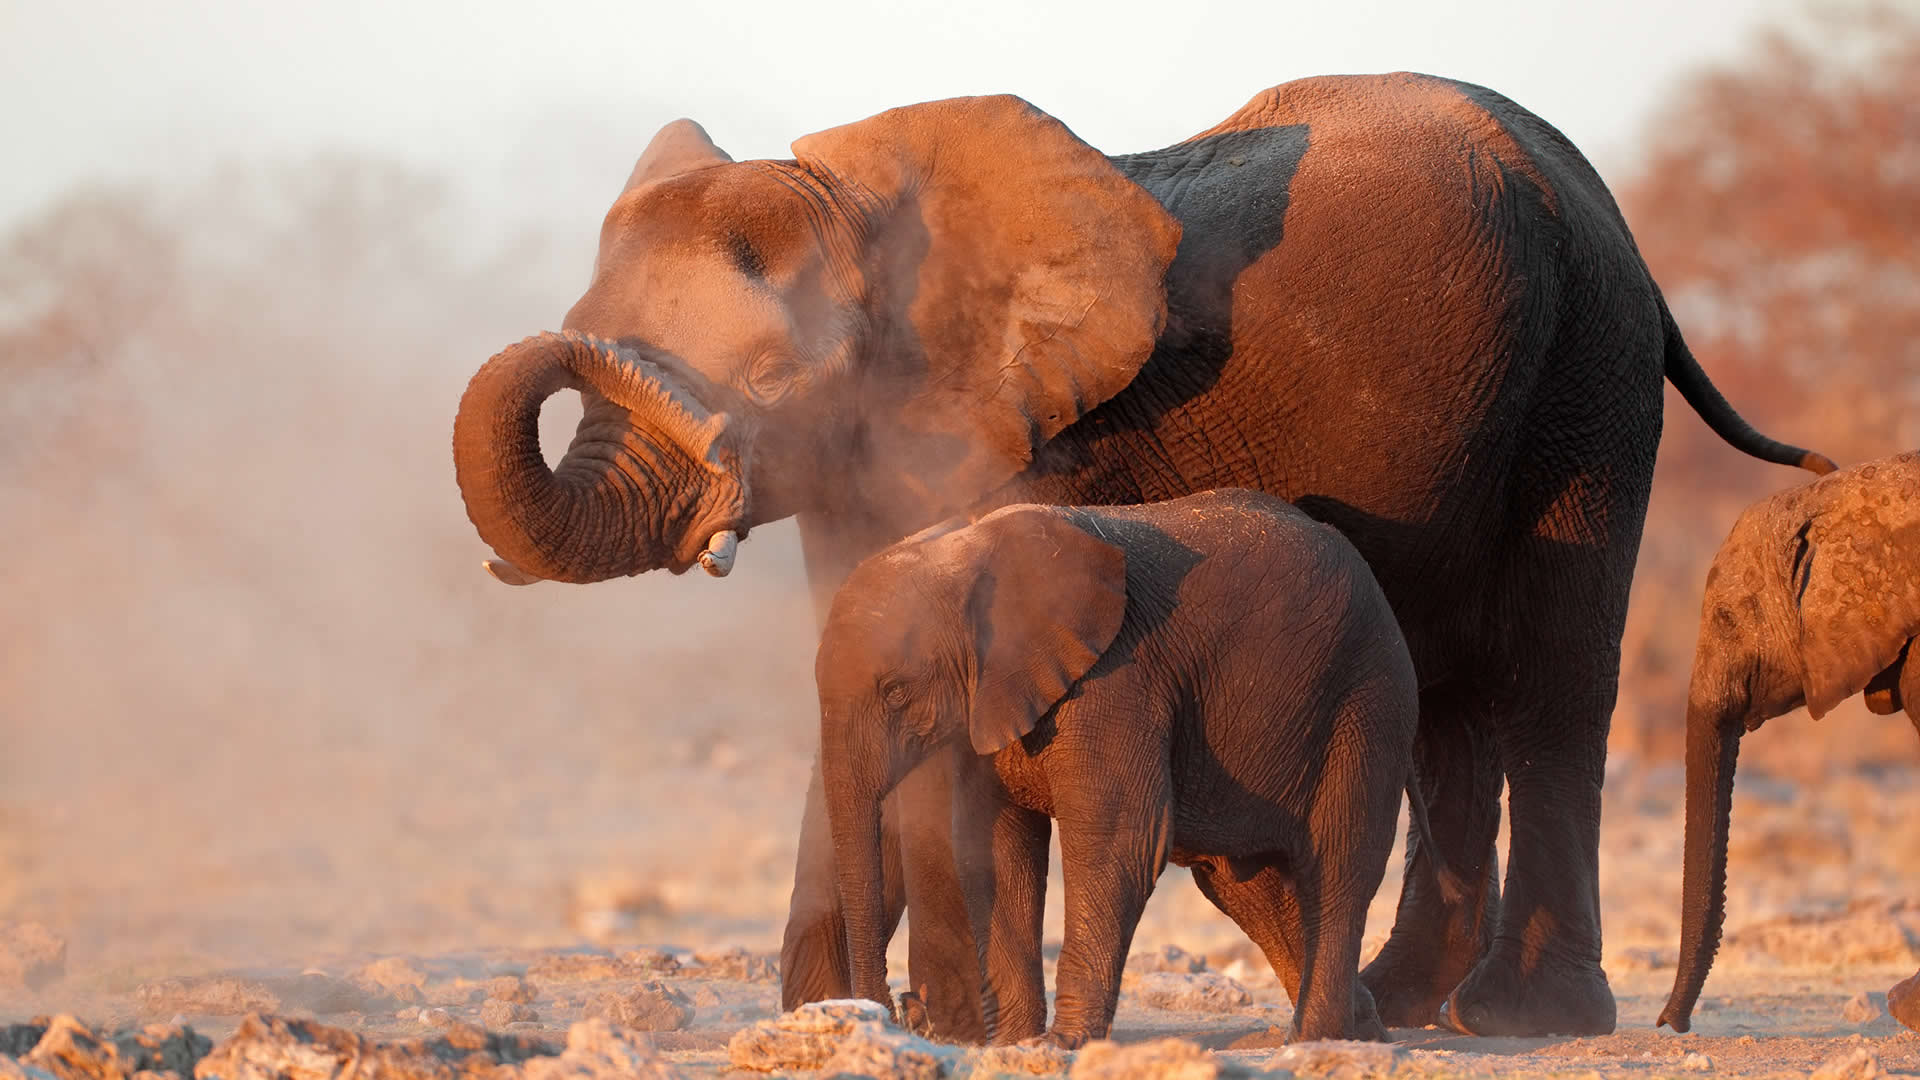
[[1857, 1064], [1204, 991], [1864, 1007]]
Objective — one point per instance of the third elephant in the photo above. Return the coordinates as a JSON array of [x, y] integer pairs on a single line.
[[1404, 303]]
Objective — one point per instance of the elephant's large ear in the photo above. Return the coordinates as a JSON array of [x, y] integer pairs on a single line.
[[681, 146], [1016, 274], [1856, 582], [1047, 600]]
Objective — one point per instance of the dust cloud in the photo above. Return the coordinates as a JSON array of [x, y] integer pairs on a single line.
[[260, 700]]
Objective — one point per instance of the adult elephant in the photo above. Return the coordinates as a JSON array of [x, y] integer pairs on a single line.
[[1405, 303]]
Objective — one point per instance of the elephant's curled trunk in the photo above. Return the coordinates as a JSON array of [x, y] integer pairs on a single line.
[[1713, 747], [650, 476]]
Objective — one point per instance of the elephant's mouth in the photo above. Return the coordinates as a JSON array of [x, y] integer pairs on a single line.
[[653, 479]]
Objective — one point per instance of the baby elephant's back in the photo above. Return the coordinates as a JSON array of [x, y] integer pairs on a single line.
[[1255, 581]]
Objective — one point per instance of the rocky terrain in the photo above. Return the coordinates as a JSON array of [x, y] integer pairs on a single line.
[[576, 915]]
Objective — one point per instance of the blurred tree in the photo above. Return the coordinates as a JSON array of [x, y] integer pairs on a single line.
[[1779, 208]]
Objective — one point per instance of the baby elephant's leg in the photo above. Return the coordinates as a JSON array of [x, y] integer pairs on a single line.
[[1018, 990], [1262, 899], [1111, 852]]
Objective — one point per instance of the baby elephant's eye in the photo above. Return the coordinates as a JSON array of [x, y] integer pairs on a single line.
[[894, 694]]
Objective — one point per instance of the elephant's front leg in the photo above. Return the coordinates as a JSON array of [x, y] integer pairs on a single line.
[[1112, 849], [1003, 864], [943, 962]]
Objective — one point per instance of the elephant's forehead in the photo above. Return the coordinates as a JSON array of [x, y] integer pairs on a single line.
[[683, 296]]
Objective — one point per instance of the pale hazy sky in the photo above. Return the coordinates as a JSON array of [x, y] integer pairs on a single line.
[[557, 93]]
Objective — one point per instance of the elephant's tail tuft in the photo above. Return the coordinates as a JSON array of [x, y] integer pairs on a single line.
[[1687, 377]]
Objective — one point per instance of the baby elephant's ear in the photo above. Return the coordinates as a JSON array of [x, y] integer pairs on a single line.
[[1047, 600], [1857, 589]]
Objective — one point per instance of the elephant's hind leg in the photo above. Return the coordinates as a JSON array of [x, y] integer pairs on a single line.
[[1260, 897], [1436, 942]]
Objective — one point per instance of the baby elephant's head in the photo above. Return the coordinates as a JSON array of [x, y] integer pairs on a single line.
[[958, 630]]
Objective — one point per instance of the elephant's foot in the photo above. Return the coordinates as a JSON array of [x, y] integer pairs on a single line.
[[1367, 1026], [1408, 984], [1551, 999], [1055, 1039]]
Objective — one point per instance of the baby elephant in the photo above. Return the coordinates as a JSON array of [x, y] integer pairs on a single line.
[[1815, 597], [1215, 681]]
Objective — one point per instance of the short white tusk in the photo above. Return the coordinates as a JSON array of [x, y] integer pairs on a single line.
[[718, 558], [506, 573]]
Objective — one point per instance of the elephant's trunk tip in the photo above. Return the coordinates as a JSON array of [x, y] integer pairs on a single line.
[[1819, 465]]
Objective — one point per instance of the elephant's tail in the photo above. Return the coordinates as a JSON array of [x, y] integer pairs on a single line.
[[1692, 382], [1450, 889]]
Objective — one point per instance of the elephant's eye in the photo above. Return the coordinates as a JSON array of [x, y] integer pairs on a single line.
[[770, 376], [893, 693]]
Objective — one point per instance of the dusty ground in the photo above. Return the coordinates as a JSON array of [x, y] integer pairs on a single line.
[[447, 864]]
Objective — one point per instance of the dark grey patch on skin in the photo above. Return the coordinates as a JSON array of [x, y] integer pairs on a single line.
[[746, 257]]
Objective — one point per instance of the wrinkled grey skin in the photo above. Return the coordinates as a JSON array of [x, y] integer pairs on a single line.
[[1814, 597], [1215, 681], [1404, 303]]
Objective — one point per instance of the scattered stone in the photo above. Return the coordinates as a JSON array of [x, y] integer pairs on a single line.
[[455, 993], [276, 1048], [1167, 958], [1342, 1057], [705, 997], [436, 1017], [1028, 1059], [1205, 991], [1903, 1001], [1645, 958], [1856, 1064], [576, 967], [1697, 1062], [650, 961], [1874, 932], [17, 1039], [391, 974], [650, 1006], [510, 988], [214, 995], [1243, 962], [321, 993], [609, 906], [1161, 1059], [31, 956], [69, 1051], [885, 1052], [14, 1070], [495, 1013], [735, 962], [598, 1051], [1864, 1007], [804, 1038]]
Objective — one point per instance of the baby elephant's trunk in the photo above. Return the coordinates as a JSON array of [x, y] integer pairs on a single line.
[[1713, 746]]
